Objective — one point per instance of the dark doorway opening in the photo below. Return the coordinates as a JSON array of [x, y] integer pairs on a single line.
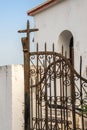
[[71, 49]]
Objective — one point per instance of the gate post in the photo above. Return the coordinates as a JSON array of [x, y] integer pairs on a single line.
[[26, 84], [26, 49]]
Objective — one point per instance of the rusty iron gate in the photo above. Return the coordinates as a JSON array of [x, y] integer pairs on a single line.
[[55, 94]]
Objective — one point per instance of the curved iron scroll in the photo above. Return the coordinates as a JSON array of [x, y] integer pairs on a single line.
[[62, 58]]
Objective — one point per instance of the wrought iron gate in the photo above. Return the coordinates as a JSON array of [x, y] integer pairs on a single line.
[[55, 97]]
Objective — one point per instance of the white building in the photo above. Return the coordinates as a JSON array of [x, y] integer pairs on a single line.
[[58, 21], [64, 23]]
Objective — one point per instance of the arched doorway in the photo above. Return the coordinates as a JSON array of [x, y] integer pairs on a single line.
[[66, 41]]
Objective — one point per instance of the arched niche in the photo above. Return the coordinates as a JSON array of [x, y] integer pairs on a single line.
[[66, 44]]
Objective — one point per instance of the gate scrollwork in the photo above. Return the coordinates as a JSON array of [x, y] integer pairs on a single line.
[[52, 101]]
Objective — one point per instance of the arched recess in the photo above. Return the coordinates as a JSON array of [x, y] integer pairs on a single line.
[[66, 41]]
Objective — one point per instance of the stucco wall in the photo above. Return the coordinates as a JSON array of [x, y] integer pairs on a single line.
[[5, 98], [11, 97], [17, 97], [67, 15]]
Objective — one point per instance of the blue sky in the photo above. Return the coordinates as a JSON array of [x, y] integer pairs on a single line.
[[13, 17]]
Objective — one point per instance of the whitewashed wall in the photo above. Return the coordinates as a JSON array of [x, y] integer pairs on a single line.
[[17, 97], [11, 97], [67, 15], [5, 98]]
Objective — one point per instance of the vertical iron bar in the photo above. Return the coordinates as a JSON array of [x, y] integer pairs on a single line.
[[55, 96], [37, 98], [46, 94], [61, 92], [41, 101], [50, 96], [82, 118], [36, 101], [66, 74], [31, 103], [62, 126], [64, 92], [38, 77], [63, 95]]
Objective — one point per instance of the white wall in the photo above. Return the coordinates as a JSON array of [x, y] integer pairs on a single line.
[[11, 97], [67, 15], [17, 97], [5, 98]]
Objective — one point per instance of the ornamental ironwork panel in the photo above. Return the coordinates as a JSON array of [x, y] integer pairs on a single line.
[[55, 94]]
